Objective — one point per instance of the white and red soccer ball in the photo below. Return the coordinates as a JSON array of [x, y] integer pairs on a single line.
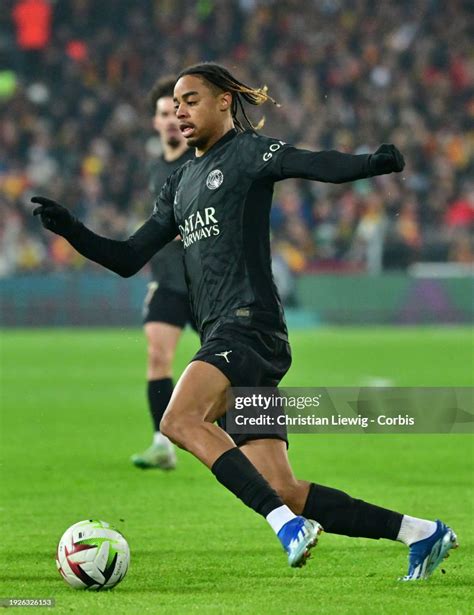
[[92, 555]]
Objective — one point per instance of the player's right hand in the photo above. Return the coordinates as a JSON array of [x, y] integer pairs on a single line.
[[54, 216]]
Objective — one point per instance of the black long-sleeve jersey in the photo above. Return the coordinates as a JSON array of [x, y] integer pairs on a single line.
[[167, 266], [220, 204]]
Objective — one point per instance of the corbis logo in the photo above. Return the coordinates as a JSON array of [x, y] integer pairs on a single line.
[[214, 179]]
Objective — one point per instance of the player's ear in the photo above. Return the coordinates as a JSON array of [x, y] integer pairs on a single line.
[[225, 101]]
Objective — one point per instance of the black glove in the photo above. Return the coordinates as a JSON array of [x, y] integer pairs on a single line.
[[387, 159], [55, 217]]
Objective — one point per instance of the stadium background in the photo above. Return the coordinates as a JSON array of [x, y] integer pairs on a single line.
[[348, 75], [393, 250]]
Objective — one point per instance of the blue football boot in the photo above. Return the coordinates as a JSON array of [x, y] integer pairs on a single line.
[[298, 537], [426, 555]]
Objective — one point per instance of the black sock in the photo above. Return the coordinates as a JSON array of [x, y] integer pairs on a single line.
[[339, 513], [159, 395], [233, 470]]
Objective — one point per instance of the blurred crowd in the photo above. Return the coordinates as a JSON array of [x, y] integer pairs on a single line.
[[348, 74]]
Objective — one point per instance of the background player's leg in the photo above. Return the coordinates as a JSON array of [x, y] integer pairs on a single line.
[[162, 339]]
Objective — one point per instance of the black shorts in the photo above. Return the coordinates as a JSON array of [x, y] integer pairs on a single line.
[[248, 358], [168, 306]]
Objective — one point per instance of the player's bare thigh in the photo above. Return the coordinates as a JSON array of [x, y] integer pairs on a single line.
[[162, 341], [270, 457], [199, 398]]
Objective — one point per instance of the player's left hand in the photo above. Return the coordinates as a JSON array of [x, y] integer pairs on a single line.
[[387, 159]]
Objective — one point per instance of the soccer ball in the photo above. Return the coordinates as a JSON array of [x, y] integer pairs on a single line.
[[92, 555]]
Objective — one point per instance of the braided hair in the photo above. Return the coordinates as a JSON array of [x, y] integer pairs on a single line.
[[221, 78]]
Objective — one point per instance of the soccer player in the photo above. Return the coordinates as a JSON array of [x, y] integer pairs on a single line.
[[219, 203], [166, 308]]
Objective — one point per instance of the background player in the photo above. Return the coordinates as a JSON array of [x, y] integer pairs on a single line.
[[220, 202], [166, 306]]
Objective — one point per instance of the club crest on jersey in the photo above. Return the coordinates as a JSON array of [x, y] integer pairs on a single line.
[[214, 179]]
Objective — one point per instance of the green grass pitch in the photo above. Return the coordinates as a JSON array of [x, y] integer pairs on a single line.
[[73, 411]]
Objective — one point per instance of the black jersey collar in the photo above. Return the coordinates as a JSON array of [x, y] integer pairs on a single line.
[[187, 154], [222, 141]]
